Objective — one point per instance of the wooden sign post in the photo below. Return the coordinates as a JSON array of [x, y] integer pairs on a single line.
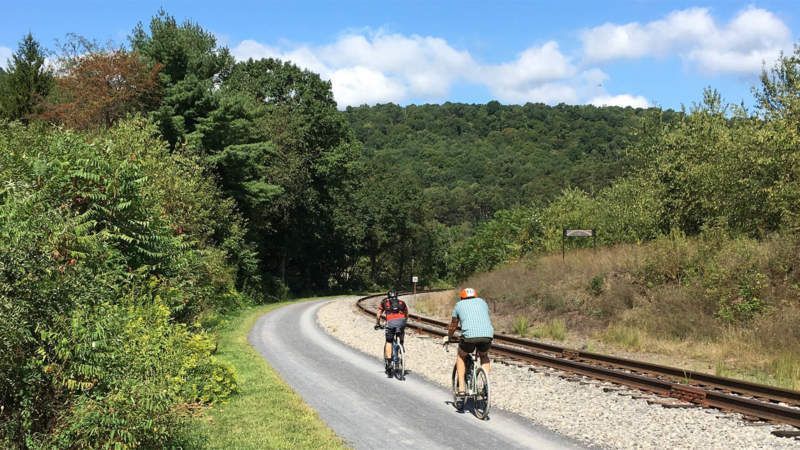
[[414, 280]]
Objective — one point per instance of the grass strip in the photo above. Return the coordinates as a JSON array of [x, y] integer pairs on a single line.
[[266, 413]]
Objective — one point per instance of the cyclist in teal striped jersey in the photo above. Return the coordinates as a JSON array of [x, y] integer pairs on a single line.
[[471, 313]]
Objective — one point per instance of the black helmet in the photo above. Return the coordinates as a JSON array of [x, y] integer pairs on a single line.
[[392, 294]]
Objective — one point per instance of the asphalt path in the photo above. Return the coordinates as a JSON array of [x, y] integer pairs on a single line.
[[351, 393]]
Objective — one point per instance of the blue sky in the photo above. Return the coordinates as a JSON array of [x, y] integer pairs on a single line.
[[636, 53]]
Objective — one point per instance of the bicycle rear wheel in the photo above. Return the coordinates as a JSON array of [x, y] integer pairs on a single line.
[[399, 363], [482, 396]]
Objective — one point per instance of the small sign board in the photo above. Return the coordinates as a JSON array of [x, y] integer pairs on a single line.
[[414, 279], [578, 233]]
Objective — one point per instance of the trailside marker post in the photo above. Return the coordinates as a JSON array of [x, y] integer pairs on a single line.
[[577, 233], [414, 280]]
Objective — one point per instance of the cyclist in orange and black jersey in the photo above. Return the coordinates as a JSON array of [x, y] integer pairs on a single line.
[[396, 317]]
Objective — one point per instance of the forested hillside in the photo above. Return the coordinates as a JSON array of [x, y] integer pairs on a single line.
[[435, 173], [472, 160]]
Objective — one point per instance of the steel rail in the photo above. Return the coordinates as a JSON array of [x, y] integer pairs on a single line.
[[694, 387]]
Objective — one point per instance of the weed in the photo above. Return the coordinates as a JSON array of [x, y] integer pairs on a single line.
[[596, 286], [720, 370], [624, 336], [555, 329], [787, 370], [520, 326]]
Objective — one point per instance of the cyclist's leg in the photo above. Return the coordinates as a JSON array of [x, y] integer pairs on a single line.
[[387, 347], [461, 367], [483, 352], [464, 349]]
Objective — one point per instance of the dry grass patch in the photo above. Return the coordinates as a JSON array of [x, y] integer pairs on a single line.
[[729, 305], [437, 305]]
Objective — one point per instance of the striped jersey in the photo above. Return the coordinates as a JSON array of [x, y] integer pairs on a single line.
[[473, 314]]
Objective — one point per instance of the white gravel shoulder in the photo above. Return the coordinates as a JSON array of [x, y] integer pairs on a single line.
[[581, 409]]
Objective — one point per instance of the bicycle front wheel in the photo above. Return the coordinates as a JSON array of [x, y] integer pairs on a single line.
[[400, 364], [482, 395]]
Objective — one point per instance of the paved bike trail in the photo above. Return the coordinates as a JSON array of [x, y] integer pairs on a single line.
[[354, 397]]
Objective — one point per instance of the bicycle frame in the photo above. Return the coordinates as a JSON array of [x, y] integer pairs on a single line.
[[395, 346]]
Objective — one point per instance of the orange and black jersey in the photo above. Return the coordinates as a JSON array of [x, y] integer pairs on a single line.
[[387, 306]]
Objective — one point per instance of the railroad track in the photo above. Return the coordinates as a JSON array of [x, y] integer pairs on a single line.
[[754, 401]]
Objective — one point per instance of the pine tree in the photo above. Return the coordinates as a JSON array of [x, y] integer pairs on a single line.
[[26, 81]]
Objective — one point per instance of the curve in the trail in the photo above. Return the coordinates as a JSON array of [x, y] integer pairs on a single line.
[[354, 397]]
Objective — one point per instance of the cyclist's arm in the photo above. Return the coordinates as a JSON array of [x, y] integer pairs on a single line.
[[379, 314], [452, 329]]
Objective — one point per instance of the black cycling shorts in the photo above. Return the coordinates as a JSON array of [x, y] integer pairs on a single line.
[[395, 326], [481, 343]]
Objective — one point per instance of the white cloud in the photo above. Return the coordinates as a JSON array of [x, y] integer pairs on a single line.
[[360, 85], [620, 100], [376, 67], [752, 37], [391, 67], [534, 77], [5, 55], [380, 67]]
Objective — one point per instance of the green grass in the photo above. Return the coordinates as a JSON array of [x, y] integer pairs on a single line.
[[266, 413], [554, 329], [626, 337]]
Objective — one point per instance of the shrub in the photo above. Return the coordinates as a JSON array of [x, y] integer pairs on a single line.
[[669, 259], [129, 368], [99, 286], [508, 236], [596, 285]]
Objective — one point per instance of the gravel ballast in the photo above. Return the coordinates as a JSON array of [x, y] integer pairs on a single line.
[[596, 413]]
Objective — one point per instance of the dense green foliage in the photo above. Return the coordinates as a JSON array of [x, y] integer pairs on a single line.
[[100, 285], [190, 63], [472, 160]]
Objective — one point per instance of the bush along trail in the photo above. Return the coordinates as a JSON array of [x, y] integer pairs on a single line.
[[105, 281]]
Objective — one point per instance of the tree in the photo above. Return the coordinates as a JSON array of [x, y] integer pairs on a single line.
[[26, 81], [305, 172], [779, 94], [102, 88], [191, 66]]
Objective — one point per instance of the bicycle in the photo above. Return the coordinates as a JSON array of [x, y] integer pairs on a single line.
[[398, 356], [477, 386]]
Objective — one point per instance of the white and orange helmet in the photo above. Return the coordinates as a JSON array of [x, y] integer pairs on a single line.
[[468, 293]]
